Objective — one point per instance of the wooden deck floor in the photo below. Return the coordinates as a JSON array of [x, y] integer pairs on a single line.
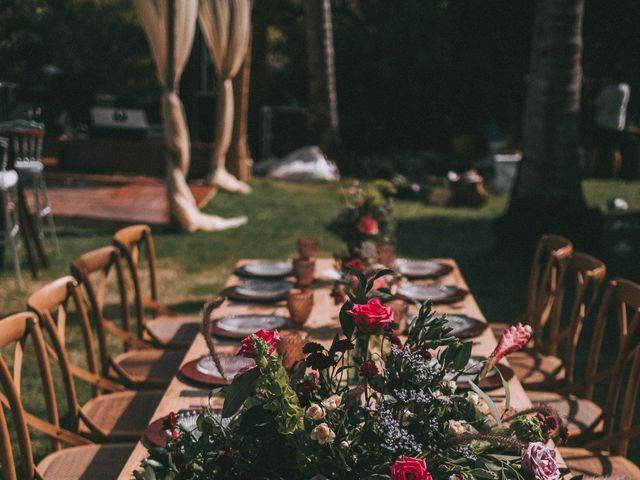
[[113, 201]]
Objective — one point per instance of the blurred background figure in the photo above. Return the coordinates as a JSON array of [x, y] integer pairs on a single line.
[[611, 112]]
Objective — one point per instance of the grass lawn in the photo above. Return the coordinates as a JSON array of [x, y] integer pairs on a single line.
[[193, 267]]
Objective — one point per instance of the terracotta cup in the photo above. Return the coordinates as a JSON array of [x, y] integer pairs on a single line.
[[387, 255], [400, 310], [300, 304], [304, 270], [308, 248], [290, 347]]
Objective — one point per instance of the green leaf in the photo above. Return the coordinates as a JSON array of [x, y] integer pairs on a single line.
[[463, 356], [346, 320], [507, 392], [492, 406], [239, 390]]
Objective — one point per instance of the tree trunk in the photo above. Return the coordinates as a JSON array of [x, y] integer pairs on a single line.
[[323, 100], [547, 194], [239, 161]]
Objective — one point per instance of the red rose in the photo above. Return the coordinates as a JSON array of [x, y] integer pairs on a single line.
[[369, 369], [371, 316], [247, 347], [355, 264], [368, 226], [410, 468]]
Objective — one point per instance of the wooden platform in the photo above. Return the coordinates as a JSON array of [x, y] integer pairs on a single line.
[[113, 201]]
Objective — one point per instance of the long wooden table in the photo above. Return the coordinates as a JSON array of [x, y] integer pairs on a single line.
[[322, 326]]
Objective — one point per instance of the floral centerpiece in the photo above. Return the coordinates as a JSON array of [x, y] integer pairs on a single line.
[[365, 405], [366, 221]]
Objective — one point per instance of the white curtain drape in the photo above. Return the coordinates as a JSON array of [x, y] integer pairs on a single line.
[[226, 26], [154, 18]]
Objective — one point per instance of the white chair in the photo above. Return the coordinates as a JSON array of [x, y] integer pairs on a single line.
[[9, 202]]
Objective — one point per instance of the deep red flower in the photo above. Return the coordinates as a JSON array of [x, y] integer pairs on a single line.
[[368, 226], [369, 369], [342, 345], [355, 264], [410, 468], [318, 361], [170, 421], [338, 294], [248, 349], [372, 316], [309, 383]]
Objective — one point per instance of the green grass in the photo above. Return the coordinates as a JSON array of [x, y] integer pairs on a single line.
[[193, 267]]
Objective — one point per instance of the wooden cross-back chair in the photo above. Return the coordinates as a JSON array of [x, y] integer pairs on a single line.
[[120, 415], [83, 457], [548, 267], [144, 367], [164, 327], [619, 312], [605, 457], [581, 282]]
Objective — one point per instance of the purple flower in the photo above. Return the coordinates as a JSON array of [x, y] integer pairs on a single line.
[[541, 461]]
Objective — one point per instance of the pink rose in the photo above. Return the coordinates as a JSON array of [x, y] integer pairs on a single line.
[[410, 468], [368, 226], [541, 461], [248, 348], [512, 339], [372, 316]]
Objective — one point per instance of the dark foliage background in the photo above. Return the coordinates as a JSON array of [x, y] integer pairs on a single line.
[[411, 74]]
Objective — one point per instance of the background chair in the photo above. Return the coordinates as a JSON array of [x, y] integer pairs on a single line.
[[164, 327], [121, 415], [83, 459], [143, 367], [616, 330], [545, 282], [9, 201], [606, 456], [582, 281]]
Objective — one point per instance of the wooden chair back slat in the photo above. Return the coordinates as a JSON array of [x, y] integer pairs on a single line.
[[629, 403], [52, 303], [586, 274], [134, 242], [105, 262], [545, 282], [17, 330]]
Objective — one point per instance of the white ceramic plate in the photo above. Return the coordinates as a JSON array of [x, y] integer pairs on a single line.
[[330, 274], [250, 323], [268, 268], [263, 289], [417, 268], [231, 365], [424, 292]]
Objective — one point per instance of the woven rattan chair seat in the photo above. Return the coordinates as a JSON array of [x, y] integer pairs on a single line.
[[599, 464], [151, 368], [87, 462], [123, 416], [583, 416]]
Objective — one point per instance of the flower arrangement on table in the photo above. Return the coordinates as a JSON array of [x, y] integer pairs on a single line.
[[366, 405], [366, 221]]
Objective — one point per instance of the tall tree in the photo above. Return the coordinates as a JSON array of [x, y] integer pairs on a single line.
[[323, 99], [547, 194]]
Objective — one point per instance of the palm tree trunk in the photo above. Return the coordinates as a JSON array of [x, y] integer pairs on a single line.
[[547, 194], [323, 100]]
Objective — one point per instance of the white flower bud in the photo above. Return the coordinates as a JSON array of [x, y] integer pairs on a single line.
[[323, 434], [314, 412], [331, 403]]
